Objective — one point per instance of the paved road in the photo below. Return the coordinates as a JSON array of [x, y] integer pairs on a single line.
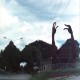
[[74, 78], [67, 78], [15, 77]]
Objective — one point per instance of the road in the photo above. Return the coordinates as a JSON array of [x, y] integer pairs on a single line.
[[74, 78], [27, 77], [66, 78], [15, 77]]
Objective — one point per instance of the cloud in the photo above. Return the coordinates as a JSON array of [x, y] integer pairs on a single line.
[[17, 10], [3, 43], [13, 29], [32, 20], [35, 10], [49, 8]]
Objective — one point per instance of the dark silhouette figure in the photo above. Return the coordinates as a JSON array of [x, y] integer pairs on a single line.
[[73, 45], [54, 48], [67, 53]]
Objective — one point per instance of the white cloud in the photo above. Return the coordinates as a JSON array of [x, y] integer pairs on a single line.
[[70, 7], [7, 20], [12, 28], [74, 7], [30, 30]]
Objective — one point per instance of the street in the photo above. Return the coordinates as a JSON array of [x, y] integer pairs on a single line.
[[15, 77], [66, 78], [74, 78]]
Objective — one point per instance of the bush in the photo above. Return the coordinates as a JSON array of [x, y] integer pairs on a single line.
[[40, 76]]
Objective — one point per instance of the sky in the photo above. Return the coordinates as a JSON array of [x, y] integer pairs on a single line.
[[32, 20]]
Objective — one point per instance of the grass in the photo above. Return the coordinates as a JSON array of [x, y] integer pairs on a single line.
[[40, 76]]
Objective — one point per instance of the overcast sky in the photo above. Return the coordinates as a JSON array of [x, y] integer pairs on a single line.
[[32, 20]]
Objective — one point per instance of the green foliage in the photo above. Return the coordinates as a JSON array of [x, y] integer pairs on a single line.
[[40, 76], [10, 56], [31, 53], [32, 56], [44, 48]]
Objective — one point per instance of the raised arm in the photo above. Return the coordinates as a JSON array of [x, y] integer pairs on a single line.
[[70, 31], [53, 32], [73, 45], [54, 48]]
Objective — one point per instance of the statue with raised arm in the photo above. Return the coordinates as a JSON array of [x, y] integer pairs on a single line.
[[70, 31], [73, 45], [53, 32], [54, 48], [68, 52]]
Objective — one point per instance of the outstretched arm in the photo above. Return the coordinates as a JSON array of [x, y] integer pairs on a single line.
[[73, 45], [54, 48], [70, 31]]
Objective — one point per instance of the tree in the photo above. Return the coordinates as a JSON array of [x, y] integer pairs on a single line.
[[73, 45], [31, 55], [11, 57], [64, 54], [44, 48], [2, 61]]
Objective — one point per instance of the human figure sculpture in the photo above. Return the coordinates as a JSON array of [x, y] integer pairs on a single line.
[[73, 45], [57, 53], [54, 48]]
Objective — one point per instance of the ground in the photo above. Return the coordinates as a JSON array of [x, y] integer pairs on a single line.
[[15, 77]]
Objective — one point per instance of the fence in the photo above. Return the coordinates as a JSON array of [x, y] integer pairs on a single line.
[[48, 67]]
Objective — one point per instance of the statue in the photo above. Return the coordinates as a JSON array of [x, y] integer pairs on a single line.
[[57, 55], [73, 45], [54, 48]]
